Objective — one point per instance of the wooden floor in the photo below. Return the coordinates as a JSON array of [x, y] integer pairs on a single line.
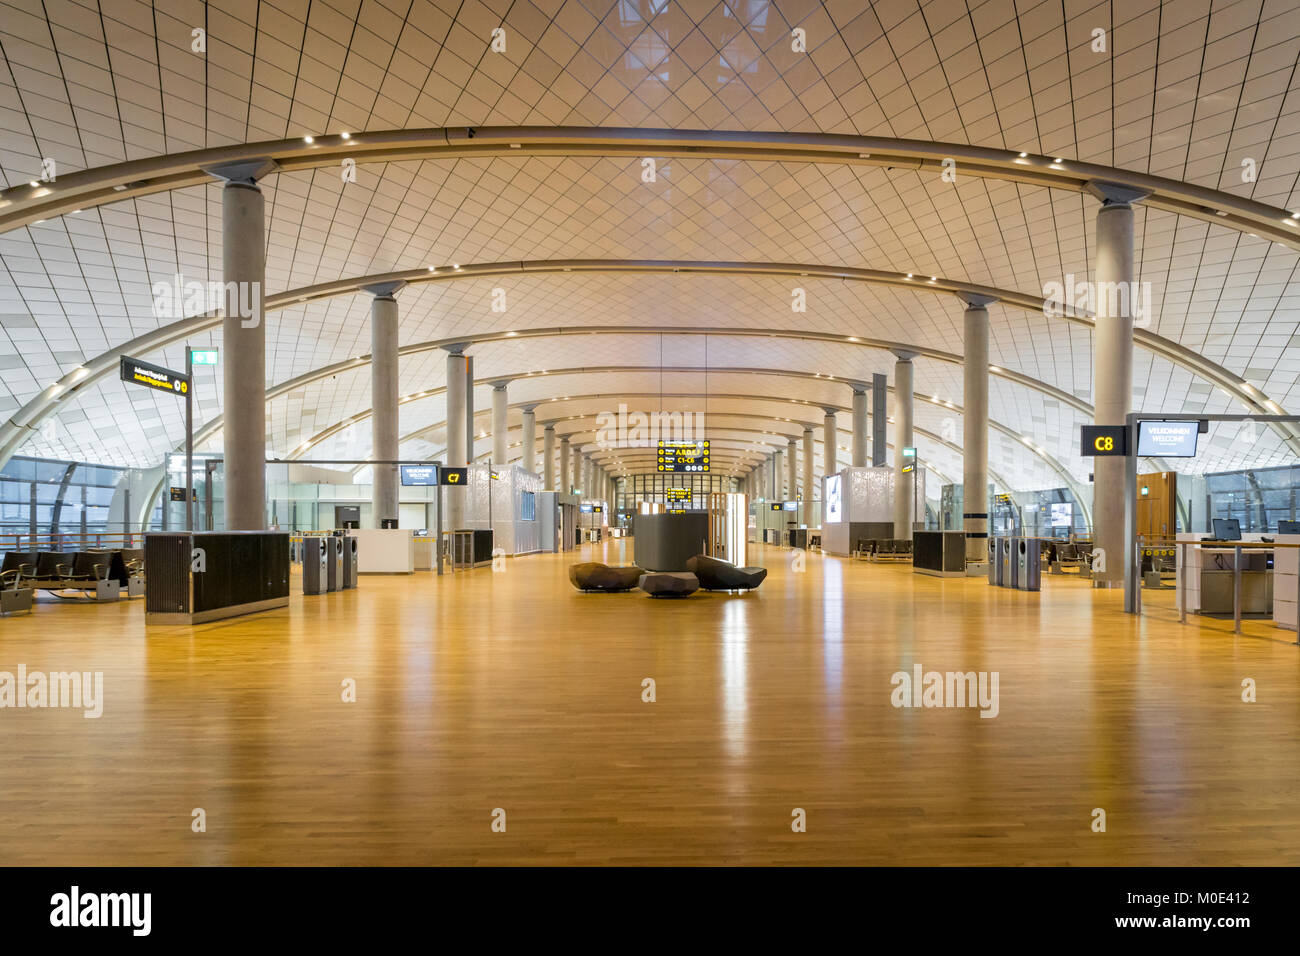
[[511, 690]]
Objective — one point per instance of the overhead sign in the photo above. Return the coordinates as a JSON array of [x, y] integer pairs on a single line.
[[677, 494], [154, 376], [909, 468], [692, 456], [585, 509], [1168, 439], [598, 509], [777, 506], [418, 475], [203, 356], [909, 452], [453, 476], [1100, 441], [178, 494]]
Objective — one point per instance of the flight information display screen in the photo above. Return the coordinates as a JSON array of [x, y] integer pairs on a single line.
[[685, 456]]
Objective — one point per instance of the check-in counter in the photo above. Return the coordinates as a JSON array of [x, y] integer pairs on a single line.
[[425, 555], [1286, 582], [385, 550]]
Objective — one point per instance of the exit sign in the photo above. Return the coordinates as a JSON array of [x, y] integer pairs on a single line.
[[203, 356]]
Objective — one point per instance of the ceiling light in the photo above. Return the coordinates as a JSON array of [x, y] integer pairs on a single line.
[[345, 135], [1058, 160], [308, 140], [1023, 155], [516, 146], [909, 275], [120, 187], [456, 266], [433, 269], [34, 184], [1220, 212]]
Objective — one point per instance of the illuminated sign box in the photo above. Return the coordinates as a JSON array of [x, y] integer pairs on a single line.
[[683, 456], [153, 376]]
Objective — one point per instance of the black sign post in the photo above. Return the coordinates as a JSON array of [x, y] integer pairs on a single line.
[[139, 372]]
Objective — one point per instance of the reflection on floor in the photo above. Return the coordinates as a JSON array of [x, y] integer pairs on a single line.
[[510, 690]]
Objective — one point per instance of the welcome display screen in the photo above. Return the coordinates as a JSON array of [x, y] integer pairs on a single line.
[[1167, 439], [833, 499], [419, 475]]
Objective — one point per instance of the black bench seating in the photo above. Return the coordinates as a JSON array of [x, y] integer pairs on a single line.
[[103, 572], [594, 576], [715, 575], [669, 583], [13, 596]]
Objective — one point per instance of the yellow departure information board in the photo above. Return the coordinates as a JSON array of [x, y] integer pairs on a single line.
[[684, 456]]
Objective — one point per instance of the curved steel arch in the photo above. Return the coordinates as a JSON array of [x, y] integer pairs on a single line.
[[22, 205], [1078, 404], [1049, 459], [27, 420]]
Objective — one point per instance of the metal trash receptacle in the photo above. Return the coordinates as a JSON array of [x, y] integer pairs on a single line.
[[350, 561], [1029, 571], [1010, 566], [334, 563], [315, 574], [995, 562]]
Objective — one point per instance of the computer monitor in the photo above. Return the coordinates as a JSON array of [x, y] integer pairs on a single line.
[[1227, 529], [1288, 527]]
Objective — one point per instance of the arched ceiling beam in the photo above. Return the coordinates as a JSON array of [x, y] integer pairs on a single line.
[[1042, 453], [25, 204], [1052, 391], [26, 421]]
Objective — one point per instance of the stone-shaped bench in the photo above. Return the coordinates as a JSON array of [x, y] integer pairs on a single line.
[[715, 575], [668, 583], [594, 576]]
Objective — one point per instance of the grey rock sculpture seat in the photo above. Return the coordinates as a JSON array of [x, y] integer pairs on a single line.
[[594, 576], [668, 583], [715, 575]]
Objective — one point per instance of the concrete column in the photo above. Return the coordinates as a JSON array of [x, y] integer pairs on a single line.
[[566, 478], [859, 427], [879, 441], [975, 433], [470, 434], [548, 457], [808, 483], [500, 404], [243, 343], [383, 402], [778, 476], [528, 456], [792, 468], [904, 487], [454, 456], [575, 469], [1112, 369], [830, 444]]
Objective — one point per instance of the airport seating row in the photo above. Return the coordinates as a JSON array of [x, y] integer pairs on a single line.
[[99, 574], [884, 549]]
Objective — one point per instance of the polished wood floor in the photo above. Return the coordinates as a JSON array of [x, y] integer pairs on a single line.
[[481, 691]]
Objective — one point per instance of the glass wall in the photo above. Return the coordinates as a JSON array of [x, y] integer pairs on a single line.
[[44, 500], [635, 488], [1259, 497]]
